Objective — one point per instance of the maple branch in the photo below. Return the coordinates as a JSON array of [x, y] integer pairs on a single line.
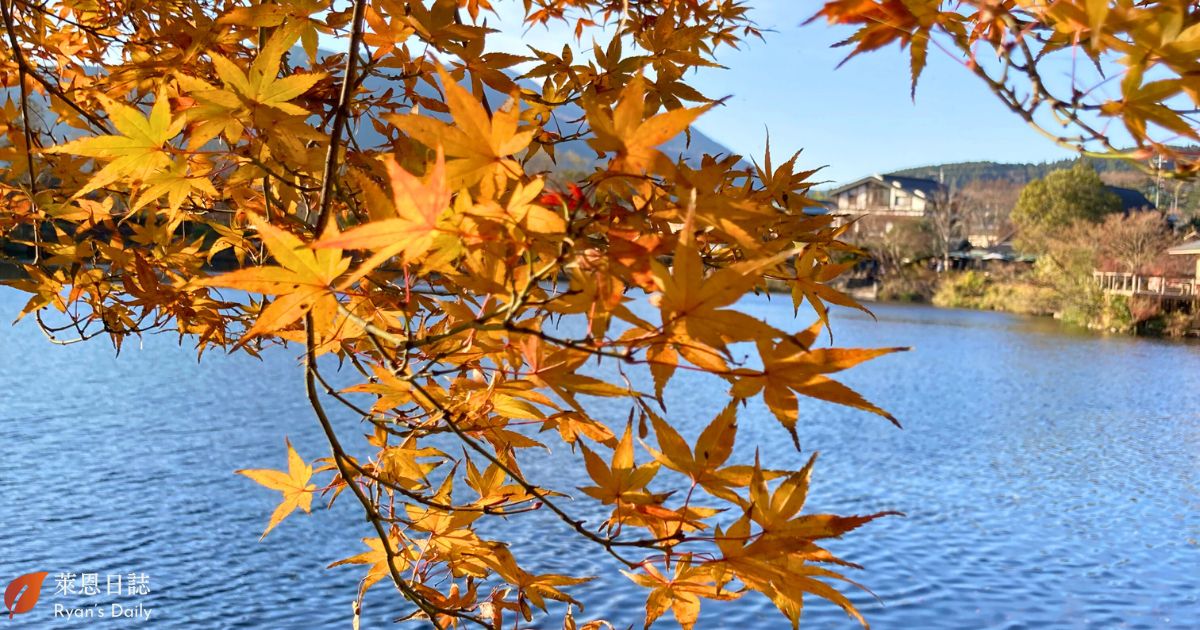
[[341, 460], [498, 509], [608, 543], [28, 134], [324, 205], [24, 66]]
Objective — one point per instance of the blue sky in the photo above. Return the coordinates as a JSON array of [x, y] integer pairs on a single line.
[[861, 118], [857, 120]]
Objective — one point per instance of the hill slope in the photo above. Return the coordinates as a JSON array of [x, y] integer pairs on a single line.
[[1175, 196]]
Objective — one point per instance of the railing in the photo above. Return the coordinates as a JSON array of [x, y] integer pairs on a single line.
[[1135, 284]]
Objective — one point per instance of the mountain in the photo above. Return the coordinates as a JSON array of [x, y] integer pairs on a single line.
[[959, 174], [571, 155]]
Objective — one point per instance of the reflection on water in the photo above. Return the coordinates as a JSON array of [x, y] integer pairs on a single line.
[[1049, 480]]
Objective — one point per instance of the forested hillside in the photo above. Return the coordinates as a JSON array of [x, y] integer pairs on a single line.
[[1179, 197]]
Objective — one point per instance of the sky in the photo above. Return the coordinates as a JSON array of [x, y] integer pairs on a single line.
[[856, 120]]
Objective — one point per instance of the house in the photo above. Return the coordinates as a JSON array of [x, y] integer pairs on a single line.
[[1167, 290], [881, 202], [1191, 248], [1131, 200]]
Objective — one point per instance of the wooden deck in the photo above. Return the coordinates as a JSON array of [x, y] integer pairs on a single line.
[[1133, 284]]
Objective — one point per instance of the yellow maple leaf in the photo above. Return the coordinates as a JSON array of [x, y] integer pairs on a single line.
[[681, 592], [301, 280], [137, 153], [480, 145], [297, 491], [622, 481], [377, 559], [790, 367], [412, 231], [535, 587], [177, 184], [712, 450], [294, 13], [693, 304], [245, 95], [634, 139]]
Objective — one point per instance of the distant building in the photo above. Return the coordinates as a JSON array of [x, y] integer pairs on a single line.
[[1191, 248], [821, 207], [881, 202], [1131, 200], [1169, 291]]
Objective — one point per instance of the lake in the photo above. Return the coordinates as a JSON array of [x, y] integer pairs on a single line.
[[1049, 479]]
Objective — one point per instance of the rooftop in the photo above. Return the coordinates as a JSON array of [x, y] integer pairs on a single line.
[[1191, 248], [1130, 199], [917, 185]]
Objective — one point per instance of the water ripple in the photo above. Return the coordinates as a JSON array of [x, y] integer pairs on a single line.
[[1048, 480]]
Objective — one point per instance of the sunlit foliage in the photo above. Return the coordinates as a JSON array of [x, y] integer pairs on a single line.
[[207, 168]]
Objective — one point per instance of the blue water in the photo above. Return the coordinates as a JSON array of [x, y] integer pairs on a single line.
[[1049, 480]]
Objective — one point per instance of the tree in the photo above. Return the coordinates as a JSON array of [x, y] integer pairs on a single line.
[[986, 207], [894, 248], [380, 207], [377, 207], [1061, 198], [945, 224], [1135, 242]]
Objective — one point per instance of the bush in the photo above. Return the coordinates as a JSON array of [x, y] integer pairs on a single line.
[[1175, 324], [1115, 315], [962, 290], [1001, 291], [1020, 297], [909, 284]]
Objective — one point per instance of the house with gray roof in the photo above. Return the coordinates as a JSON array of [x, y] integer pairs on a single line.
[[881, 202]]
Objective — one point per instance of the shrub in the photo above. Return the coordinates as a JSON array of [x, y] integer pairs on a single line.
[[962, 290]]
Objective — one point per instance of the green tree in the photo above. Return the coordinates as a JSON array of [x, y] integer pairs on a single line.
[[1061, 198]]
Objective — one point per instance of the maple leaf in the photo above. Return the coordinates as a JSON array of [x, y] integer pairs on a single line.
[[622, 481], [883, 22], [1146, 103], [713, 448], [778, 512], [681, 592], [377, 560], [493, 492], [408, 227], [558, 370], [137, 153], [775, 561], [297, 491], [246, 94], [294, 13], [693, 304], [479, 145], [810, 283], [790, 367], [301, 280], [399, 464], [176, 184], [634, 139], [535, 587]]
